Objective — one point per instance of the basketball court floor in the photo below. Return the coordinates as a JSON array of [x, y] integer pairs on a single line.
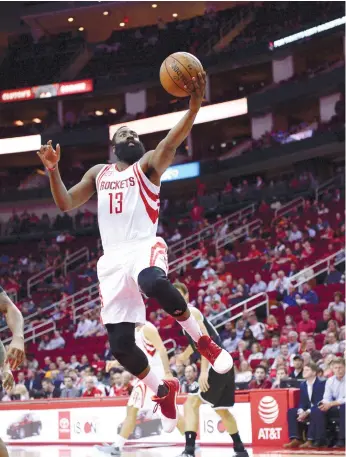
[[172, 451]]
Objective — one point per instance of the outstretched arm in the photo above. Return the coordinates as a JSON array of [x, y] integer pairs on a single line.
[[78, 194], [14, 319], [156, 162]]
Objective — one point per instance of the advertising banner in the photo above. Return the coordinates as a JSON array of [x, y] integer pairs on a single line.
[[47, 91], [269, 417]]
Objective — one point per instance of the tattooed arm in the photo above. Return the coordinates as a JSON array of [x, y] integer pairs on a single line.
[[14, 318]]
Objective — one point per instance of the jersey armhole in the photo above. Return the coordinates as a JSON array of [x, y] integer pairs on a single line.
[[98, 176], [147, 181]]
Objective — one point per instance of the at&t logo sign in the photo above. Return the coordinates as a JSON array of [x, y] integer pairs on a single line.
[[268, 410]]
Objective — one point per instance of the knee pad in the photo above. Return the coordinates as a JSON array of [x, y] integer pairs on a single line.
[[150, 280], [154, 283], [121, 337]]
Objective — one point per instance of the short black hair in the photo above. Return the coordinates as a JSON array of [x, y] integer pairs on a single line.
[[262, 368], [116, 132]]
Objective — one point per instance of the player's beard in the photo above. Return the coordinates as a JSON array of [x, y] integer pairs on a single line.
[[129, 154]]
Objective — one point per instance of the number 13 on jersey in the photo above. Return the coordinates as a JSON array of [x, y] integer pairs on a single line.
[[116, 203]]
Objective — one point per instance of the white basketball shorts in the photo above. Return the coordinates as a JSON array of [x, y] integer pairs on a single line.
[[118, 270]]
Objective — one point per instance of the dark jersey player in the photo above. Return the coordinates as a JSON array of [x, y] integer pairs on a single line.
[[15, 354], [213, 388]]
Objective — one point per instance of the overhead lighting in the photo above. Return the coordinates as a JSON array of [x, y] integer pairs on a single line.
[[175, 14], [70, 19], [122, 24], [19, 123], [98, 112], [113, 110], [81, 29], [154, 5], [37, 120], [105, 13]]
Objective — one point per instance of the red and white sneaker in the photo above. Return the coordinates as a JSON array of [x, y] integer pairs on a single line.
[[168, 405], [220, 359]]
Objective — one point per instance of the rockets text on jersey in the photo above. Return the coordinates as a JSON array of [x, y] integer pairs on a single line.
[[128, 205]]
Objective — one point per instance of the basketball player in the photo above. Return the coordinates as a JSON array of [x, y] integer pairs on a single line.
[[135, 260], [215, 389], [148, 339], [15, 355]]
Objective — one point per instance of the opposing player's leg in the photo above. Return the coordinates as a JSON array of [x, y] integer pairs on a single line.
[[129, 355], [3, 450], [191, 418], [154, 283], [231, 426]]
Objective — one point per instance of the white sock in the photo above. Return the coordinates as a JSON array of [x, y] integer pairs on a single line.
[[119, 442], [191, 326], [152, 381]]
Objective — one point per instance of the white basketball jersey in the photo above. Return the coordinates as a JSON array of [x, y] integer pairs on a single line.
[[128, 205], [148, 348]]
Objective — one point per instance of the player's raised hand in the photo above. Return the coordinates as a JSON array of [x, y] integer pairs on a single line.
[[197, 95], [49, 156], [15, 354], [203, 381]]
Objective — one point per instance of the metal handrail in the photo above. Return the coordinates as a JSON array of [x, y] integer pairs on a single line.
[[329, 184], [50, 271], [238, 233], [246, 308], [287, 207], [73, 299], [174, 344], [317, 271], [85, 307], [36, 332], [209, 231]]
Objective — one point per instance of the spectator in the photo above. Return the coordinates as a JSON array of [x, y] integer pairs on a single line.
[[308, 296], [272, 285], [107, 353], [306, 324], [240, 327], [226, 332], [83, 327], [303, 338], [295, 235], [57, 342], [281, 373], [175, 237], [44, 343], [84, 363], [258, 286], [322, 325], [231, 344], [291, 298], [311, 349], [208, 272], [298, 364], [49, 390], [167, 321], [33, 382], [180, 370], [244, 374], [333, 405], [254, 253], [69, 391], [332, 346], [116, 389], [126, 378], [202, 262], [274, 350], [91, 390], [257, 328], [289, 325], [283, 283], [293, 345], [256, 353], [311, 393], [293, 270], [190, 385], [101, 383], [261, 380], [74, 364], [272, 326], [337, 305]]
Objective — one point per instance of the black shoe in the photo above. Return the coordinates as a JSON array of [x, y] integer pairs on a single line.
[[340, 444], [242, 453], [186, 454]]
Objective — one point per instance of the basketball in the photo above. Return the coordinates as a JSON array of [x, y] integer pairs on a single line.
[[177, 71]]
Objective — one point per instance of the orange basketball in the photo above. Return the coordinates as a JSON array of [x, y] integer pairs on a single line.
[[177, 71]]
